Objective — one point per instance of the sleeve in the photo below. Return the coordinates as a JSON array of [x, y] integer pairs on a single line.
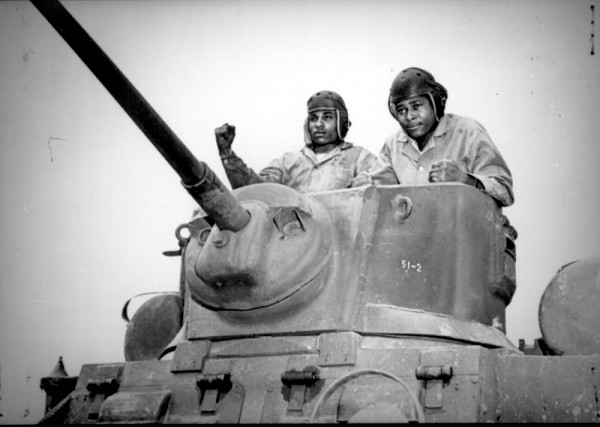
[[274, 172], [382, 172], [237, 172], [490, 169], [364, 163]]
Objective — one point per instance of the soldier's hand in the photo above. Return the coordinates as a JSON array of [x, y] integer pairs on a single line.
[[225, 135], [447, 170]]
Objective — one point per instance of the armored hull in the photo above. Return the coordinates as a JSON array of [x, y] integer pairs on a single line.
[[403, 322]]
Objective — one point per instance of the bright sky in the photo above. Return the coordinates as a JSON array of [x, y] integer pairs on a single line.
[[88, 204]]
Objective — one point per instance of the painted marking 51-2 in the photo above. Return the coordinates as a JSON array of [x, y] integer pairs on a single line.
[[407, 265]]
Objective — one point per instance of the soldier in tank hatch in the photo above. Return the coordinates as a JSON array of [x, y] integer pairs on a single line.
[[431, 146], [326, 162]]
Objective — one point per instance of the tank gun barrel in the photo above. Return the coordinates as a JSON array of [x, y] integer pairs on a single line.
[[197, 178]]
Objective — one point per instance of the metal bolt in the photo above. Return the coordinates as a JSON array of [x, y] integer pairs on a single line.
[[220, 239]]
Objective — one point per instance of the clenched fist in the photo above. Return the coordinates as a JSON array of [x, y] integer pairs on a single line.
[[447, 170], [225, 135]]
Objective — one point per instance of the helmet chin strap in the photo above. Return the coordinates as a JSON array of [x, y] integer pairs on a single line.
[[434, 107], [339, 131]]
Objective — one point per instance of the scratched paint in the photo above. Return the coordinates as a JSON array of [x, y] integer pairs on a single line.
[[50, 140], [592, 35], [1, 411]]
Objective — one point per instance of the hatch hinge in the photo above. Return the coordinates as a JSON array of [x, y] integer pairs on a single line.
[[212, 388], [298, 382], [433, 378], [99, 390]]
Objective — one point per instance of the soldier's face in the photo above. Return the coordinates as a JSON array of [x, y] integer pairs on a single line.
[[322, 127], [416, 116]]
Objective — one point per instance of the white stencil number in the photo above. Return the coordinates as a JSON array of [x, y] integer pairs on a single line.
[[407, 266]]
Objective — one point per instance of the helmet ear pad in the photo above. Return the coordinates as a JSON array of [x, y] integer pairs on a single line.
[[343, 123], [439, 98]]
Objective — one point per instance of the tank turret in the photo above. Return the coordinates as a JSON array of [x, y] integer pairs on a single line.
[[367, 304]]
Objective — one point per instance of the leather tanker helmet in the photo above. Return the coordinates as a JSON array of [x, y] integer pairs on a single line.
[[329, 100], [413, 82]]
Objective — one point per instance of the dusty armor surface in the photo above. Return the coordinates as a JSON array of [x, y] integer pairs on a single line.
[[366, 304]]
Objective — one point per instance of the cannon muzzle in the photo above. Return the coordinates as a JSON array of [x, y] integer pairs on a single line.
[[197, 178]]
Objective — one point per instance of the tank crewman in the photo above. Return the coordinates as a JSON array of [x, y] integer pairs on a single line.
[[431, 146], [326, 162]]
